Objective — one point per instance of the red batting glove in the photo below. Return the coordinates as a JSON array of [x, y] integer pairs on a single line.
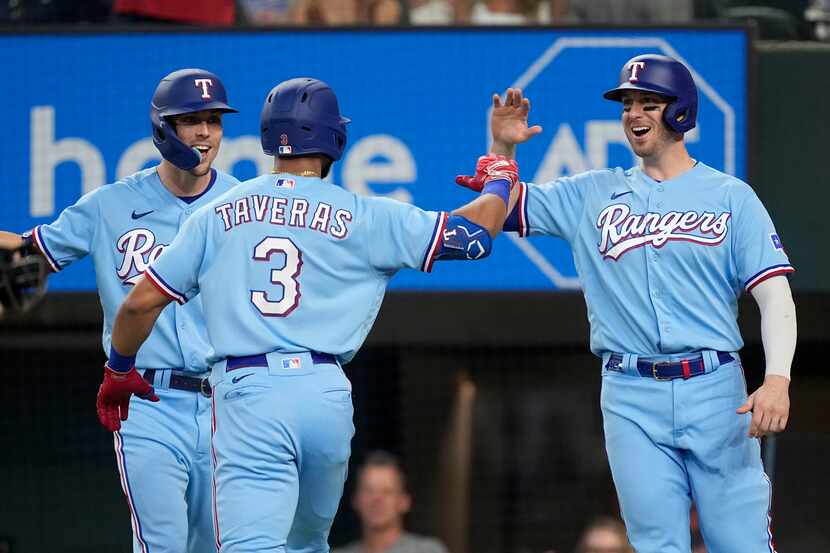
[[113, 402], [490, 167]]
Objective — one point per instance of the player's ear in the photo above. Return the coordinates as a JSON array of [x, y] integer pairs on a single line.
[[405, 503]]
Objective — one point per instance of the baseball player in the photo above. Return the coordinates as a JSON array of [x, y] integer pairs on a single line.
[[292, 271], [663, 252], [162, 452]]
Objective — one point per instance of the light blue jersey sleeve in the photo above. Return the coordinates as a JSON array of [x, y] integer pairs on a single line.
[[176, 272], [552, 208], [72, 235], [398, 235], [758, 250]]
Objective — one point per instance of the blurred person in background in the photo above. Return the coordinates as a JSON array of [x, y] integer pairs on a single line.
[[432, 12], [626, 11], [604, 535], [385, 12], [327, 12], [818, 14], [267, 12], [514, 12], [381, 501]]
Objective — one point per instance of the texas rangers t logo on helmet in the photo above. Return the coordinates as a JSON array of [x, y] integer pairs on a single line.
[[635, 66], [204, 83]]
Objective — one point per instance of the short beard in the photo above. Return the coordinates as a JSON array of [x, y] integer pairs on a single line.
[[200, 173], [663, 140]]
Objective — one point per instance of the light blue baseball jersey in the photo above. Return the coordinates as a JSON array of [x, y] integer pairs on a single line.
[[293, 264], [124, 226], [662, 264]]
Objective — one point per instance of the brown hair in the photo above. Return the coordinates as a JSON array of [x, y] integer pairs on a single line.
[[384, 459]]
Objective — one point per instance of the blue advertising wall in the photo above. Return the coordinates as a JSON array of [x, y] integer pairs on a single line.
[[76, 117]]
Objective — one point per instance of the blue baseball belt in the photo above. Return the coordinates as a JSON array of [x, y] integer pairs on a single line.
[[262, 361], [669, 370]]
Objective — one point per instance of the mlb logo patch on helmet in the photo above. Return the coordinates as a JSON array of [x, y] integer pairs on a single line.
[[285, 183], [292, 363], [284, 150]]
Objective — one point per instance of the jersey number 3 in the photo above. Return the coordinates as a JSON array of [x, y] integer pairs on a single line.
[[286, 277]]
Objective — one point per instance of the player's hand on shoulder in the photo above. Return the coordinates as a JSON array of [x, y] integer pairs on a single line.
[[508, 120], [489, 168], [113, 401], [770, 406]]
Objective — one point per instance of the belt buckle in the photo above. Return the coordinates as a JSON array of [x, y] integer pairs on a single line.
[[204, 387], [654, 370]]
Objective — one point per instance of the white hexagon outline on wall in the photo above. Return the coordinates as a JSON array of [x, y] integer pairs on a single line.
[[535, 257]]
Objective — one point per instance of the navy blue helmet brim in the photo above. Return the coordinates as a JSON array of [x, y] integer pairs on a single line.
[[615, 94], [201, 106]]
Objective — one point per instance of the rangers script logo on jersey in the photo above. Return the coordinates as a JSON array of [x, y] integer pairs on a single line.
[[621, 231], [140, 250]]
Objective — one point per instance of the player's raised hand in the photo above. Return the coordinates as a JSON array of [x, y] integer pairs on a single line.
[[113, 401], [488, 168], [770, 406], [508, 120]]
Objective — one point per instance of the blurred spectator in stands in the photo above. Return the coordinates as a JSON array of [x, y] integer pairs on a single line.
[[500, 12], [327, 12], [6, 544], [515, 12], [381, 501], [432, 12], [267, 12], [385, 12], [818, 13], [627, 11], [205, 12], [604, 535]]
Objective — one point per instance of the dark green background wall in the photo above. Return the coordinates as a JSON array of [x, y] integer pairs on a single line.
[[790, 167]]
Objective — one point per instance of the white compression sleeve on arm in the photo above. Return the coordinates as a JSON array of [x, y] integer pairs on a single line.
[[778, 324]]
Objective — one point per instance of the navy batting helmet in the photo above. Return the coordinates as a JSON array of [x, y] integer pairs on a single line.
[[184, 91], [667, 77], [301, 117]]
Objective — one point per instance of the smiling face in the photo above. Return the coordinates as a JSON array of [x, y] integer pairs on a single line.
[[643, 124], [201, 130]]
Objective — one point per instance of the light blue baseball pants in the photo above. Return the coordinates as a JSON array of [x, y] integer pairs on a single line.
[[673, 442]]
